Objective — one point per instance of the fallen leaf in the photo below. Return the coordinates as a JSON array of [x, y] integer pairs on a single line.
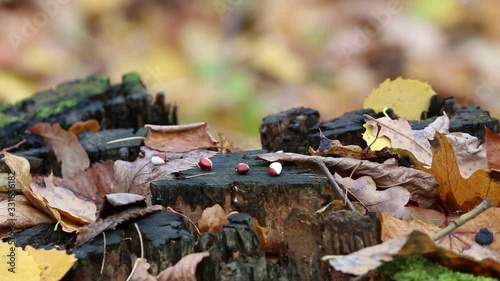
[[141, 270], [391, 200], [93, 183], [492, 146], [183, 270], [21, 168], [91, 230], [33, 264], [408, 98], [455, 191], [212, 219], [70, 211], [66, 147], [422, 186], [54, 263], [90, 125], [24, 216], [470, 154], [414, 243], [179, 138], [118, 202], [392, 227], [135, 177]]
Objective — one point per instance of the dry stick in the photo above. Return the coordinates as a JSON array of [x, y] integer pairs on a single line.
[[332, 181], [104, 252], [463, 219], [137, 261]]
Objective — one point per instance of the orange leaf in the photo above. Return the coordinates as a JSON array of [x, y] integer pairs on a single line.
[[459, 193], [212, 219], [91, 125], [492, 146], [66, 147], [179, 138]]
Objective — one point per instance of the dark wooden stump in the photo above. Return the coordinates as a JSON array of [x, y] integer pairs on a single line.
[[296, 129]]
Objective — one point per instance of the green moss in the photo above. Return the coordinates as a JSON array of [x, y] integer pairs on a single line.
[[6, 120], [419, 268], [62, 105], [132, 83]]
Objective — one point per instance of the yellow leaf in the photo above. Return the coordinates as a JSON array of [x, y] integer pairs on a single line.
[[54, 263], [380, 143], [18, 264], [408, 98]]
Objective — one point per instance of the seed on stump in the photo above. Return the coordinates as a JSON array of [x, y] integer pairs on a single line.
[[274, 169], [205, 163], [242, 168], [159, 159]]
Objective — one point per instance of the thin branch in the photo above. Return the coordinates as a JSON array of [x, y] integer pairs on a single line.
[[483, 206], [104, 252], [336, 187]]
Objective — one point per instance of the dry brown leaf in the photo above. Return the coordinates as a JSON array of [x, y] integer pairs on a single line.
[[70, 211], [66, 147], [212, 219], [21, 168], [179, 138], [489, 219], [24, 216], [391, 200], [118, 202], [393, 227], [459, 193], [92, 230], [422, 186], [492, 146], [93, 183], [183, 270], [135, 177], [141, 270], [414, 243], [91, 125]]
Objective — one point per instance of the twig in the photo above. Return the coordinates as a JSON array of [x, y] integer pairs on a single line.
[[125, 139], [184, 216], [15, 146], [137, 261], [104, 252], [332, 181], [483, 206]]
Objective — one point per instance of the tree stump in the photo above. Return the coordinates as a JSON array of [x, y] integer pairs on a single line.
[[296, 130]]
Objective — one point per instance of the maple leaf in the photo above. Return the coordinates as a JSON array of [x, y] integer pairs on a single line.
[[492, 146], [459, 193], [179, 138], [66, 147]]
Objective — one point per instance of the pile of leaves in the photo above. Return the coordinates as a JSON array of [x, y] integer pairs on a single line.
[[449, 174]]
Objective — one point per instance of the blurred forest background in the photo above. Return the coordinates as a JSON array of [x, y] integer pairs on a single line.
[[232, 62]]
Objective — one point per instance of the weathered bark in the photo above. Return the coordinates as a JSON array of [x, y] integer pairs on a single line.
[[116, 107]]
